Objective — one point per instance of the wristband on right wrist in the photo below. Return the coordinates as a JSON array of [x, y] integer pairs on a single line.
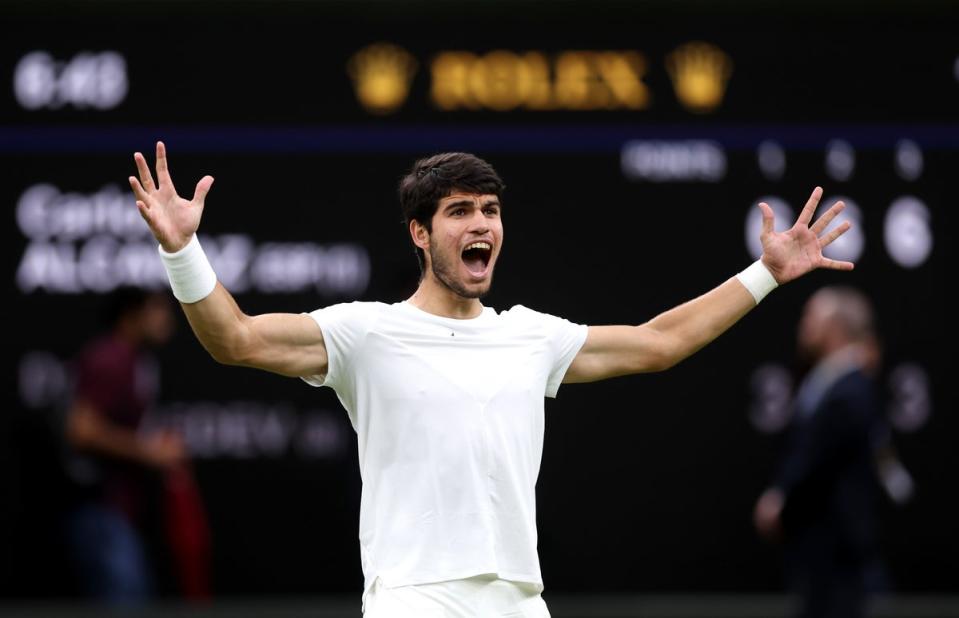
[[758, 280], [191, 277]]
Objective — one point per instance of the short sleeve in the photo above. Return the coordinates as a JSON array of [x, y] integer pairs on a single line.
[[566, 339], [344, 328], [563, 340]]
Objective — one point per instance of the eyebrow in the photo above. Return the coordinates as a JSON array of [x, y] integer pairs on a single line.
[[458, 203]]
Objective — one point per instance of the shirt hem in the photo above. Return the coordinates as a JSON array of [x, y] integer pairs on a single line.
[[525, 578]]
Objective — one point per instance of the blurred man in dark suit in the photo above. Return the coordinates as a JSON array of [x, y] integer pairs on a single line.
[[823, 503]]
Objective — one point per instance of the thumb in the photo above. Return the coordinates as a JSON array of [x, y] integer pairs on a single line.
[[767, 218], [202, 188]]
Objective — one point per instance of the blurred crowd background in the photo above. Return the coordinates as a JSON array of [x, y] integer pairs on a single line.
[[635, 139]]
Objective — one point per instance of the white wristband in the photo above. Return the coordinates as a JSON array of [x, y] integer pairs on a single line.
[[758, 280], [191, 276]]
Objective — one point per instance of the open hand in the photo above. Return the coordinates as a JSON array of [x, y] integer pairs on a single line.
[[791, 254], [172, 219]]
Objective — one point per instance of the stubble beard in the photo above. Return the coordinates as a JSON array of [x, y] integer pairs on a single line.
[[444, 271]]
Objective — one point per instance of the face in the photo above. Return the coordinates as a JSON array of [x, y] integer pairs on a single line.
[[156, 320], [815, 327], [465, 242]]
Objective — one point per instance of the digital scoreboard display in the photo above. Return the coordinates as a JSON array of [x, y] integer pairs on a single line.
[[635, 143]]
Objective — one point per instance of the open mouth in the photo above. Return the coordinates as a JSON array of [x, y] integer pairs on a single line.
[[476, 256]]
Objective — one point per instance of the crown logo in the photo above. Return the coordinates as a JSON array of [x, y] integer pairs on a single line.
[[381, 75], [699, 72]]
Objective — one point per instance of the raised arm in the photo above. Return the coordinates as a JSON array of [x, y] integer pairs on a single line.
[[288, 344], [670, 337]]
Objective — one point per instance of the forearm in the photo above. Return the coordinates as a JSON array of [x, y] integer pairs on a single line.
[[696, 323], [668, 338], [662, 342], [86, 431], [212, 312], [220, 325]]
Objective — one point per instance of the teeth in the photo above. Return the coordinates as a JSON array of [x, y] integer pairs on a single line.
[[479, 245]]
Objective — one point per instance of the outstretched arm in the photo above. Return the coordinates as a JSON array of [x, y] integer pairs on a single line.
[[288, 344], [87, 429], [670, 337]]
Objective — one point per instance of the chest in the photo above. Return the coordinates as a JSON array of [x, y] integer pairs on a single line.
[[445, 364]]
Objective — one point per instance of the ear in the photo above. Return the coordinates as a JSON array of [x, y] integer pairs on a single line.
[[420, 236]]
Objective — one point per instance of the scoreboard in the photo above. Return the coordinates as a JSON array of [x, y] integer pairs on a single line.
[[635, 142]]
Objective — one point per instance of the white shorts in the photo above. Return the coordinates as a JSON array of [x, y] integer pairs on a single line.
[[483, 596]]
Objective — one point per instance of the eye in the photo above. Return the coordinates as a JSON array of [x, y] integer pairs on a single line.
[[458, 211], [491, 210]]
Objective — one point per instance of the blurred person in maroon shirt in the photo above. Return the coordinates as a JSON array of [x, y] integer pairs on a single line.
[[131, 482]]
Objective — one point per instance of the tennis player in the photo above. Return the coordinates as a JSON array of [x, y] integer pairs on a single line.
[[446, 395]]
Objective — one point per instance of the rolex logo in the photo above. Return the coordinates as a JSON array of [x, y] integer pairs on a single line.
[[381, 75], [699, 72]]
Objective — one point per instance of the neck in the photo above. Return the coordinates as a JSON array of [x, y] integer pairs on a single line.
[[432, 296]]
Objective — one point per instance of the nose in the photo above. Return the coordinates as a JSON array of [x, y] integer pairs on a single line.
[[478, 222]]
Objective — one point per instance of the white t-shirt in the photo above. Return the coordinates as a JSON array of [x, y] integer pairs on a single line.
[[449, 420]]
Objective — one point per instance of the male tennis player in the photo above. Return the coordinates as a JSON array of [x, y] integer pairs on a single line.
[[446, 395]]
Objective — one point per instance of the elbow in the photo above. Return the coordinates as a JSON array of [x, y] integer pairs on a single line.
[[235, 347], [650, 361], [234, 353], [672, 357], [224, 356], [665, 352], [661, 362]]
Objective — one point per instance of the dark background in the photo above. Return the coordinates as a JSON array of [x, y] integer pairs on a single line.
[[647, 482]]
